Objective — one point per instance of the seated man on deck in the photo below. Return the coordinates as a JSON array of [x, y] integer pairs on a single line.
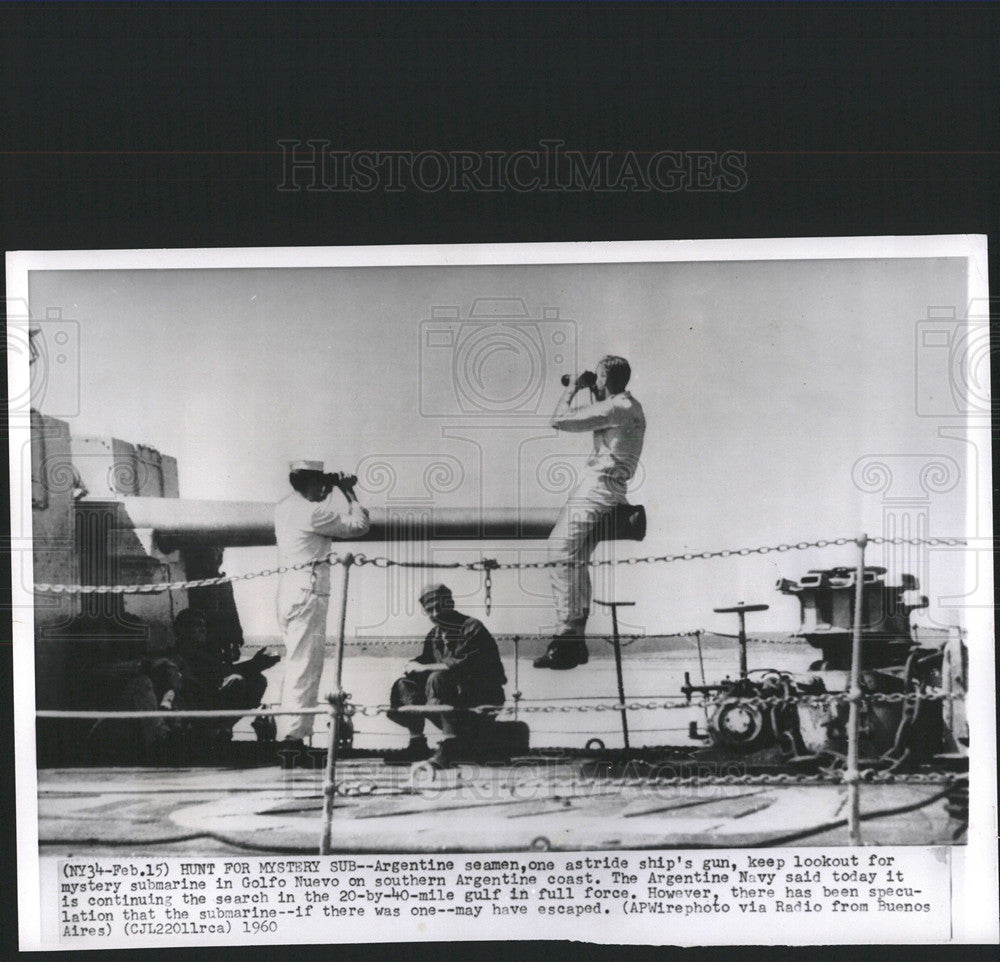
[[211, 681], [460, 666], [146, 684]]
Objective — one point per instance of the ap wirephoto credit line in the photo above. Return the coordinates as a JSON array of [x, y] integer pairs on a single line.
[[595, 584]]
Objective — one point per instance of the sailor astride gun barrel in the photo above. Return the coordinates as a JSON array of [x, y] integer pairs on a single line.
[[619, 426]]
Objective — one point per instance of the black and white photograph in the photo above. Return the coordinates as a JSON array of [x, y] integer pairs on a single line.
[[499, 478], [529, 549]]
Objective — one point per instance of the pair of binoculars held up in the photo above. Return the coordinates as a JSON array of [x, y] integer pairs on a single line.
[[339, 480], [587, 379]]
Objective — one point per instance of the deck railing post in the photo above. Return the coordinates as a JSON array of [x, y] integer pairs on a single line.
[[616, 641], [337, 701], [853, 775], [517, 665]]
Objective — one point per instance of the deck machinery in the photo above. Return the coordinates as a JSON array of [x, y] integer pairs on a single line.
[[767, 716]]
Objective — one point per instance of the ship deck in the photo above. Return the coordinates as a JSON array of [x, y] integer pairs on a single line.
[[554, 797], [530, 804]]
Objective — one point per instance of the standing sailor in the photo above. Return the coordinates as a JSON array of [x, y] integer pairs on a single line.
[[305, 522], [619, 426]]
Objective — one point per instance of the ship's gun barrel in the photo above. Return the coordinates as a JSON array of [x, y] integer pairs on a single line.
[[180, 523]]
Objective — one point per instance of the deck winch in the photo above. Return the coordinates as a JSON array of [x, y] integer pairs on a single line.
[[771, 712]]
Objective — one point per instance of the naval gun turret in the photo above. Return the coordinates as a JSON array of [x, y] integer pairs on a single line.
[[91, 647]]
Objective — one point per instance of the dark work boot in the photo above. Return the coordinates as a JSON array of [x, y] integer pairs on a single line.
[[416, 751], [444, 757], [291, 753], [564, 652], [265, 728]]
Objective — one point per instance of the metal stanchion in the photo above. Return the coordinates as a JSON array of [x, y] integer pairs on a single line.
[[741, 610], [336, 715], [614, 606], [517, 663], [701, 660], [853, 776]]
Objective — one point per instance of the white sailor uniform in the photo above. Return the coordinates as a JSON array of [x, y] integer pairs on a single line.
[[619, 427], [303, 530]]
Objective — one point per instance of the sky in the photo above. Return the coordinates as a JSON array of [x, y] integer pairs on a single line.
[[786, 401]]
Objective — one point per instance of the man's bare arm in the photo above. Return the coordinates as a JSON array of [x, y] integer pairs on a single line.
[[590, 417]]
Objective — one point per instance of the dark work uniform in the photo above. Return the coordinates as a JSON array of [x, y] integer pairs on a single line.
[[474, 675], [203, 671]]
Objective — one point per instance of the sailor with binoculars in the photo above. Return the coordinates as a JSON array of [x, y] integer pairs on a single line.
[[619, 426], [305, 522]]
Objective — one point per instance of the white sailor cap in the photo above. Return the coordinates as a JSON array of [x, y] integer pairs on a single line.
[[435, 590], [306, 466]]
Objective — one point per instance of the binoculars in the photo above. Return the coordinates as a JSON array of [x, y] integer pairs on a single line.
[[587, 379], [339, 480]]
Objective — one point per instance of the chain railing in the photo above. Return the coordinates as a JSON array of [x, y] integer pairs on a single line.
[[341, 708], [487, 565], [675, 702]]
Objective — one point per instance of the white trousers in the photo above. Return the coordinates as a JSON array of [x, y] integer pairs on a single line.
[[302, 610], [572, 541]]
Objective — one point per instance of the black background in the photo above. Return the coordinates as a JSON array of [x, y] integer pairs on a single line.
[[156, 125]]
